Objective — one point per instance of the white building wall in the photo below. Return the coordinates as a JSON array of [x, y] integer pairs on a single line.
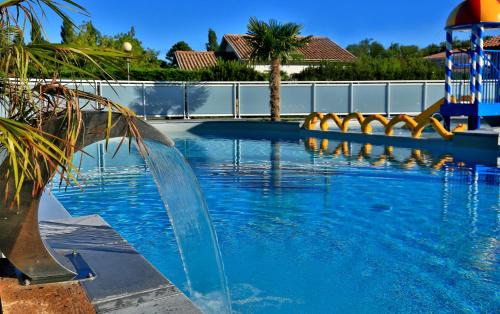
[[288, 68]]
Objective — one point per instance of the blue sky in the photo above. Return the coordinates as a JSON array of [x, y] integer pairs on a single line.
[[159, 24]]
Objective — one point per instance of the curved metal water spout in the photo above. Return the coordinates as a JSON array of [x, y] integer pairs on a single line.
[[20, 239]]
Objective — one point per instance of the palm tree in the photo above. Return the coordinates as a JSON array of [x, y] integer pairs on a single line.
[[275, 43]]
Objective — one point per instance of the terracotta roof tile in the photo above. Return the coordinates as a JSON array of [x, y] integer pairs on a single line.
[[493, 42], [441, 55], [195, 60], [490, 43], [318, 49]]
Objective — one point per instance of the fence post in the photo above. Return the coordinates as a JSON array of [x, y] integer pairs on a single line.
[[186, 101], [238, 93], [424, 96], [144, 100], [351, 98], [388, 99], [235, 101], [313, 97], [97, 85]]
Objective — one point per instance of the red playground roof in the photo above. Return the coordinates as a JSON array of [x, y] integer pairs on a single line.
[[471, 12]]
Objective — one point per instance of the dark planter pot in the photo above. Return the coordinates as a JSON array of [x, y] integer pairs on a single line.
[[20, 239]]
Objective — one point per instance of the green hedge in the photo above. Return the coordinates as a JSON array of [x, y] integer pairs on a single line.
[[222, 71], [363, 69], [367, 69]]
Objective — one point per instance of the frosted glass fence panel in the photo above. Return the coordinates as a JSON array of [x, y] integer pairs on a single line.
[[211, 99], [369, 98], [406, 98], [332, 98], [164, 100], [127, 95], [296, 99], [434, 93], [180, 99], [85, 87], [254, 100]]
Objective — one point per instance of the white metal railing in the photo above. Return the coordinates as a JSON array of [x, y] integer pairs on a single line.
[[247, 99]]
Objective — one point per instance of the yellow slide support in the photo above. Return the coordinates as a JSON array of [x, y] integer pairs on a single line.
[[366, 128], [328, 117], [311, 120], [353, 116], [409, 122], [427, 113]]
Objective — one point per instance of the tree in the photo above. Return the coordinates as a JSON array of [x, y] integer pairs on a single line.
[[36, 33], [178, 46], [212, 44], [231, 70], [89, 35], [67, 32], [276, 43], [367, 47]]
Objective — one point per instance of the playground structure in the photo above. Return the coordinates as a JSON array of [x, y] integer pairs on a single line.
[[472, 86]]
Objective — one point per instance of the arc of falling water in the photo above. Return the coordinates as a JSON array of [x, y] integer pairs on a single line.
[[193, 228]]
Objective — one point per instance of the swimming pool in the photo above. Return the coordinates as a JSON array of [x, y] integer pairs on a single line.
[[307, 226]]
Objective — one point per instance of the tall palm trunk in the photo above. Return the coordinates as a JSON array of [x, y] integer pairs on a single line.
[[275, 85]]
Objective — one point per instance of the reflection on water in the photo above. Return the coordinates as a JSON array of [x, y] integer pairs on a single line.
[[415, 158], [385, 158]]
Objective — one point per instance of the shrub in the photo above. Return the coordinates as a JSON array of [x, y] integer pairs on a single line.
[[231, 70], [367, 68]]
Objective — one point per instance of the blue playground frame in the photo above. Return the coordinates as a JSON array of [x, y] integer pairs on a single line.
[[472, 85]]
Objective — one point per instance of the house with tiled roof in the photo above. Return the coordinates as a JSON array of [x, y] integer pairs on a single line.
[[440, 57], [195, 60], [492, 43], [319, 49], [236, 47]]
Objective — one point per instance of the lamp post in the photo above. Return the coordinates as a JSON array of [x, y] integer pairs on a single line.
[[127, 47]]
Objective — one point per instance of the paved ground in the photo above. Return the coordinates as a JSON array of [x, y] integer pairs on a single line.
[[66, 298]]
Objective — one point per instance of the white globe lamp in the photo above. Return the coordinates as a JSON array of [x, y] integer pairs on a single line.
[[127, 47]]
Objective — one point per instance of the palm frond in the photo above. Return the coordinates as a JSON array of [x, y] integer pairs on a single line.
[[274, 40], [32, 153]]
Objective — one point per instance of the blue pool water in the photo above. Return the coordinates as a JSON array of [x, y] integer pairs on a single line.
[[306, 226]]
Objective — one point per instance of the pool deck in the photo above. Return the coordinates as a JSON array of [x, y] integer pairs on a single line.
[[112, 276], [480, 146]]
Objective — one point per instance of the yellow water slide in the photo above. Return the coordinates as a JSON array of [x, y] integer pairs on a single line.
[[415, 125]]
